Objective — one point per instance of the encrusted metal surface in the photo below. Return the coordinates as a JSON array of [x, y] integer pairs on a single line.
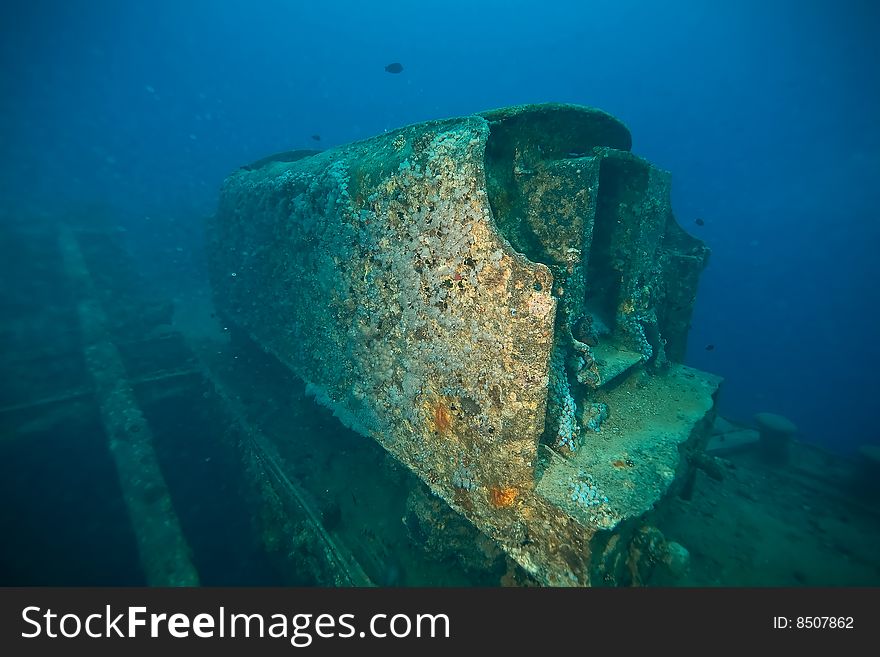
[[440, 287]]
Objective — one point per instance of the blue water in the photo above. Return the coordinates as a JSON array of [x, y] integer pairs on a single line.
[[765, 113]]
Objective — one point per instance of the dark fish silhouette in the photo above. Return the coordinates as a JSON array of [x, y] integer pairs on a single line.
[[395, 67], [710, 347], [700, 222], [316, 137]]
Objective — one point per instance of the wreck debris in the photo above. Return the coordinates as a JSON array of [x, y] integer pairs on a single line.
[[164, 553], [776, 433]]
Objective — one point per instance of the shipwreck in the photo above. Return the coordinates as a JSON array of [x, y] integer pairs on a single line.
[[502, 302]]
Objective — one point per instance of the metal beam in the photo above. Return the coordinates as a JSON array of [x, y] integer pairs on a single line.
[[164, 553]]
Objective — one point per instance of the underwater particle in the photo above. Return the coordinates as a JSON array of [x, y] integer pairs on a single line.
[[710, 347], [502, 497], [394, 67], [316, 137], [699, 222]]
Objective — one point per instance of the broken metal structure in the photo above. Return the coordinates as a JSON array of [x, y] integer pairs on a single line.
[[98, 461], [502, 302]]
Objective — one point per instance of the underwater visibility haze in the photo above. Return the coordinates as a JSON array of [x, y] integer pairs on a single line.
[[439, 293]]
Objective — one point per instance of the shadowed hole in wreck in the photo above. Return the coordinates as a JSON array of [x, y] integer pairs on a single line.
[[518, 150]]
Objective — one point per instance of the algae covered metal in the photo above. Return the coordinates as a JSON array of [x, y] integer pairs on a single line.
[[502, 302]]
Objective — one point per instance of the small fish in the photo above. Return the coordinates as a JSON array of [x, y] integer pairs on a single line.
[[710, 347], [395, 67], [316, 137], [700, 222]]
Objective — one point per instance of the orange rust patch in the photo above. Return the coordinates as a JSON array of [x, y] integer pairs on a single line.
[[442, 417], [502, 497]]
